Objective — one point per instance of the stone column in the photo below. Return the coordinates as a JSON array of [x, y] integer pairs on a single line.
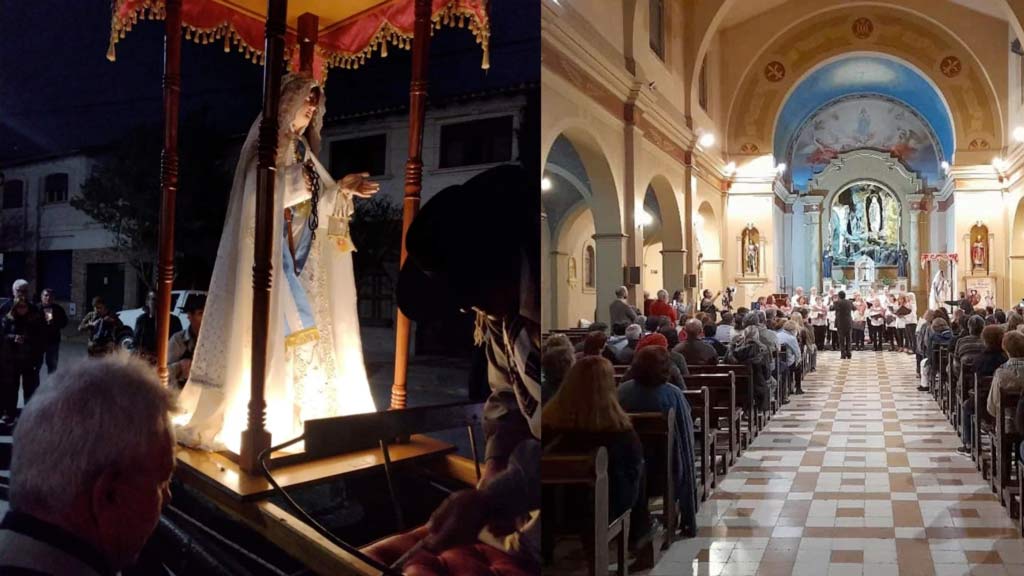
[[689, 193], [673, 265], [812, 235], [610, 250], [918, 231]]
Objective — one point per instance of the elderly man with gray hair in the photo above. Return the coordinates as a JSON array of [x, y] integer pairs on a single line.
[[90, 471], [19, 290], [620, 310]]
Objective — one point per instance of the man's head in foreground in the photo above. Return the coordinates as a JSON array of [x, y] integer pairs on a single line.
[[94, 454]]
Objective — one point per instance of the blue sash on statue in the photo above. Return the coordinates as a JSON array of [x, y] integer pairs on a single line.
[[300, 323]]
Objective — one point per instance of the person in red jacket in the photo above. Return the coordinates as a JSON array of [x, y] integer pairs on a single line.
[[661, 307]]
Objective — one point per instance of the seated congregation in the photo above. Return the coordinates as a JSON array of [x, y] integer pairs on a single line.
[[972, 363], [642, 421]]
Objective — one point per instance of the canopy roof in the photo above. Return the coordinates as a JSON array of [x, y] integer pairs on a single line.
[[350, 31]]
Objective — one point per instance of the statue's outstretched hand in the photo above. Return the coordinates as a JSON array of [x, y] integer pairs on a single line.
[[359, 185]]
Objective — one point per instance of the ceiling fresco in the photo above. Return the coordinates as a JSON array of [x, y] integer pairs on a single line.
[[863, 102]]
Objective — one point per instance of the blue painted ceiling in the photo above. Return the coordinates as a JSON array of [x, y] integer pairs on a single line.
[[863, 101]]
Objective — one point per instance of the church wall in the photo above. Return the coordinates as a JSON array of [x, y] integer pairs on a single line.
[[713, 118], [713, 234], [603, 18], [750, 202], [652, 273], [576, 234], [1015, 90], [984, 203], [1015, 245], [666, 74]]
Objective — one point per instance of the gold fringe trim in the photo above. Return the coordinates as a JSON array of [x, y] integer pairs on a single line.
[[451, 15], [301, 337]]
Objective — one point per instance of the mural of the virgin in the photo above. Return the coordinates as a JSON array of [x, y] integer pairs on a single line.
[[863, 121]]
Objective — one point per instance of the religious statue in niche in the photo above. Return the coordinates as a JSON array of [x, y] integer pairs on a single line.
[[979, 247], [874, 204], [751, 251], [904, 261], [865, 221]]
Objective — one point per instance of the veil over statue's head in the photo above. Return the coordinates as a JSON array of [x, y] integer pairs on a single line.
[[295, 91]]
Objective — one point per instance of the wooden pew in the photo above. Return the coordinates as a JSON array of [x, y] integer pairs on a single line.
[[722, 389], [965, 383], [704, 439], [951, 388], [657, 432], [589, 472], [1004, 440], [981, 388], [744, 396], [620, 371]]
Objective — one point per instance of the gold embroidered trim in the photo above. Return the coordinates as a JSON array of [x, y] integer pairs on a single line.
[[451, 15], [301, 337]]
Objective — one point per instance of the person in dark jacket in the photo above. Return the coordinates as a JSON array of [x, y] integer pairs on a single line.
[[584, 415], [55, 319], [145, 329], [746, 348], [24, 342], [844, 324], [694, 349], [941, 335], [986, 363]]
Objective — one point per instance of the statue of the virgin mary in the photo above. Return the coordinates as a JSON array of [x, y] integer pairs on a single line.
[[314, 352]]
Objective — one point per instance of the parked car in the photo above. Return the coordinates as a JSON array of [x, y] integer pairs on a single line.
[[126, 337]]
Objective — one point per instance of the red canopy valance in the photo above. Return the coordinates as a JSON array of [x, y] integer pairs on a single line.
[[350, 32], [939, 257]]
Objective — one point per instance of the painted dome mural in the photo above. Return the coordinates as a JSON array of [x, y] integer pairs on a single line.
[[863, 102], [868, 121]]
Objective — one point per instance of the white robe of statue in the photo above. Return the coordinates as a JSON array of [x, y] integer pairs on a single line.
[[319, 372], [939, 292]]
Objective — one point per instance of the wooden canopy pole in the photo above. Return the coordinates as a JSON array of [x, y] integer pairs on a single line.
[[413, 180], [168, 182], [256, 438], [309, 34]]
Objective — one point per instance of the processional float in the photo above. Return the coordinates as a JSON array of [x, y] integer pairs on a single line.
[[307, 36]]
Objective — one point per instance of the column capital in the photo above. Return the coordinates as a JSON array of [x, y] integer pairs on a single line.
[[614, 236]]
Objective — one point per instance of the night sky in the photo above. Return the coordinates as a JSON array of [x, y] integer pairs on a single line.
[[59, 93]]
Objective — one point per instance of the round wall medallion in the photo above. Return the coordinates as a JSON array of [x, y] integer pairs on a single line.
[[774, 71], [950, 66], [862, 28]]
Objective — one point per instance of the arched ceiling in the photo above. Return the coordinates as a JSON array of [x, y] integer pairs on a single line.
[[569, 182], [797, 52], [863, 101]]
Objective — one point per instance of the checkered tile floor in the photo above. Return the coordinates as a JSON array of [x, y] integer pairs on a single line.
[[857, 477]]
